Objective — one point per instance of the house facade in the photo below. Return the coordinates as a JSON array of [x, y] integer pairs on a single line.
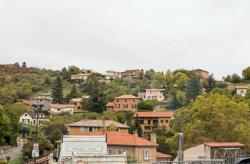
[[80, 76], [150, 120], [77, 102], [30, 118], [202, 74], [95, 126], [152, 94], [239, 88], [44, 99], [124, 102], [227, 151], [87, 149], [61, 108], [130, 74], [112, 75], [136, 148]]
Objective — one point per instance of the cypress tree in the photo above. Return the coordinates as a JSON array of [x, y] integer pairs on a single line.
[[57, 90], [193, 89]]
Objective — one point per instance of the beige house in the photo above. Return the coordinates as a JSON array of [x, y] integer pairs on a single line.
[[135, 73], [61, 108], [139, 149], [201, 73], [152, 94], [80, 76], [97, 126], [239, 88], [229, 151], [150, 120], [124, 102], [30, 118], [77, 102], [112, 75]]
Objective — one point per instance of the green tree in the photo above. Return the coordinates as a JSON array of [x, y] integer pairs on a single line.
[[246, 73], [72, 70], [73, 93], [193, 89], [210, 83], [235, 78], [214, 117], [96, 90], [147, 105], [4, 124], [65, 74], [57, 90]]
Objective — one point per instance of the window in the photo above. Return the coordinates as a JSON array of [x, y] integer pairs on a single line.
[[25, 114], [90, 129], [161, 121], [146, 154], [110, 152], [120, 151], [125, 100], [81, 129], [149, 122]]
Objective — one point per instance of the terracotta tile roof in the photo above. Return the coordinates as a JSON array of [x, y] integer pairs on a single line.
[[224, 144], [154, 114], [162, 155], [41, 160], [122, 138], [127, 97], [97, 123], [61, 106], [110, 104]]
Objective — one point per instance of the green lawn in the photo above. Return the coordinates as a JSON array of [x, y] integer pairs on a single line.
[[17, 161]]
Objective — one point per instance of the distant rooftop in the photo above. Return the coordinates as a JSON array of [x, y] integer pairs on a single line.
[[127, 97], [97, 123], [224, 144], [154, 114]]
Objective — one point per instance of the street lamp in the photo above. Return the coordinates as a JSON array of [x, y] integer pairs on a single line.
[[38, 109]]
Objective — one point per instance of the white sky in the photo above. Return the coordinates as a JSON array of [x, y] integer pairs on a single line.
[[121, 34]]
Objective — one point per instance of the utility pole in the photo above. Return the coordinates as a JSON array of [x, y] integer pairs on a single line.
[[35, 152], [180, 151]]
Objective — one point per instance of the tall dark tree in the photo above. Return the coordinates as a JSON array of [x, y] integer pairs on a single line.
[[210, 83], [235, 78], [57, 90], [246, 73], [24, 65], [73, 93], [193, 89], [96, 102], [65, 74]]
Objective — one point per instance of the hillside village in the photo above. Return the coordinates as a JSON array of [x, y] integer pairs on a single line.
[[135, 116]]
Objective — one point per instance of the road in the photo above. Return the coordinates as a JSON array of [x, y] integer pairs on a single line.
[[13, 152]]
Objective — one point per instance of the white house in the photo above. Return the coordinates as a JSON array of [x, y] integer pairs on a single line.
[[61, 108], [241, 90], [112, 74], [80, 76], [30, 118], [152, 94], [87, 149], [228, 151]]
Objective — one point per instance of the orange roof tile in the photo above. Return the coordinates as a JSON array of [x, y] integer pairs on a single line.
[[110, 104], [127, 97], [154, 114], [162, 155], [122, 138], [224, 144]]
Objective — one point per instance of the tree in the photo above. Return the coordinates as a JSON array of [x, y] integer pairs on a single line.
[[57, 90], [54, 132], [96, 101], [193, 89], [210, 84], [246, 73], [235, 78], [65, 74], [147, 105], [24, 65], [73, 93], [72, 70], [214, 117], [4, 124]]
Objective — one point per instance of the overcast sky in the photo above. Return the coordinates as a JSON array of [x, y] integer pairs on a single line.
[[123, 34]]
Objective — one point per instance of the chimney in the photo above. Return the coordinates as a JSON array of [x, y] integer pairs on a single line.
[[153, 137]]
